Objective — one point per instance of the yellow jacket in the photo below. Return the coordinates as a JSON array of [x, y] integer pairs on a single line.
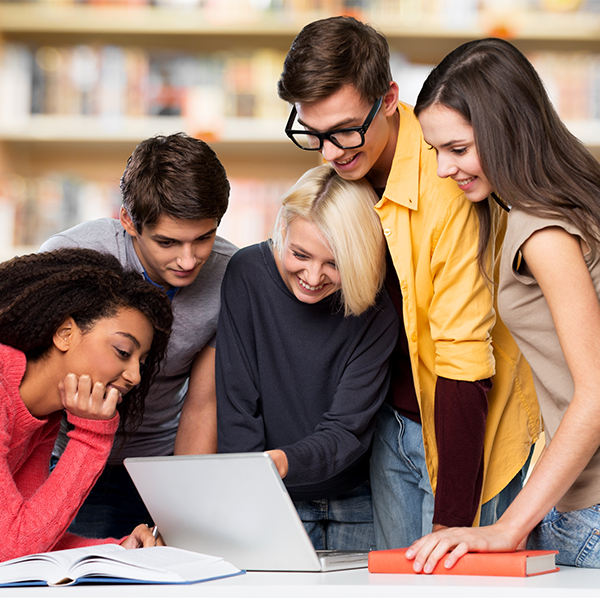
[[448, 307]]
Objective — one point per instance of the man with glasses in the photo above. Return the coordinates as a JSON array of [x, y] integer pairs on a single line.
[[446, 441]]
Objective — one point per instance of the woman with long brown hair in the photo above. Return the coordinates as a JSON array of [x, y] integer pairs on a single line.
[[485, 112]]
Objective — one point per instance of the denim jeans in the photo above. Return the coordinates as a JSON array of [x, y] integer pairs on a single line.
[[575, 534], [403, 502], [344, 522]]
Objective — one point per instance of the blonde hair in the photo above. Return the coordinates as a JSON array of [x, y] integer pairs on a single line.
[[343, 212]]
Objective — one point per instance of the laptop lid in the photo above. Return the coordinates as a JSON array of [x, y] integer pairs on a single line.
[[230, 505]]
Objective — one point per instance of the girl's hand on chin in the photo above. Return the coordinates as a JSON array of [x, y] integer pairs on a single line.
[[81, 399]]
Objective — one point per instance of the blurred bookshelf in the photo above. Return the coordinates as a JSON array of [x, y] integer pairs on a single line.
[[81, 83]]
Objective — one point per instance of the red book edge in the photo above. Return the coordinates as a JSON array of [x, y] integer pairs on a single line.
[[504, 564]]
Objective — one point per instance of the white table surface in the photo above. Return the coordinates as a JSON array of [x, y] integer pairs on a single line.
[[359, 583]]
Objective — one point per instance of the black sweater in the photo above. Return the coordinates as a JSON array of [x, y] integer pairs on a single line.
[[299, 377]]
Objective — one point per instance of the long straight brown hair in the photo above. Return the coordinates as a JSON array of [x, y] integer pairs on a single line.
[[528, 155]]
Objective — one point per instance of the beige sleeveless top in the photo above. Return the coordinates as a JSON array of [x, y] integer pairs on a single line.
[[525, 312]]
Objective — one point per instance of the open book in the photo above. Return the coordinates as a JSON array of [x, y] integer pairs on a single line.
[[109, 563]]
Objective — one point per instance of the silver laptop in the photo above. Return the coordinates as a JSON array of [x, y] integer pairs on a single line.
[[234, 506]]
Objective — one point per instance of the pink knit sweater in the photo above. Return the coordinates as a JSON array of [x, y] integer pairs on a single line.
[[36, 508]]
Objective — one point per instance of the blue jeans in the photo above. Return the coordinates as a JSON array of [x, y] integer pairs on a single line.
[[344, 522], [575, 534], [403, 502]]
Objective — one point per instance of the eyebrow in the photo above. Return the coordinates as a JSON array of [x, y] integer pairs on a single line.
[[129, 336], [163, 238], [452, 143], [337, 126], [298, 248]]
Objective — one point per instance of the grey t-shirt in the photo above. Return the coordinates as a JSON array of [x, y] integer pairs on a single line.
[[196, 312]]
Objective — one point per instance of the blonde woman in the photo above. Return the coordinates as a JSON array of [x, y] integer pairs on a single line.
[[305, 335]]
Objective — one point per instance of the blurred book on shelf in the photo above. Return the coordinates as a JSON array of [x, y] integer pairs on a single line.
[[455, 14], [110, 80], [227, 95], [572, 80], [205, 89], [253, 208], [34, 208]]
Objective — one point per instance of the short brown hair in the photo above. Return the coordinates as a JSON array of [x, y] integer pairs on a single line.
[[333, 52], [175, 175]]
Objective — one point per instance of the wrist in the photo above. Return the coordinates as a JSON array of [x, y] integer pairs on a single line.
[[512, 530]]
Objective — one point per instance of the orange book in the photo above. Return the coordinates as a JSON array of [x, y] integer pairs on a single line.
[[522, 563]]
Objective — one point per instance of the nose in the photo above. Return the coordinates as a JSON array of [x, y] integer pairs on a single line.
[[132, 374], [330, 151], [186, 260], [314, 275], [446, 166]]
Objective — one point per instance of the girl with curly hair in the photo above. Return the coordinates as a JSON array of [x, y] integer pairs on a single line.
[[82, 335]]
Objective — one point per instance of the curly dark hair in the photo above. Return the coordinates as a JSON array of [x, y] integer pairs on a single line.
[[39, 291]]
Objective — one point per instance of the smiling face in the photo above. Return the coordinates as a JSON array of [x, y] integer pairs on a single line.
[[452, 138], [346, 108], [172, 250], [112, 350], [307, 265]]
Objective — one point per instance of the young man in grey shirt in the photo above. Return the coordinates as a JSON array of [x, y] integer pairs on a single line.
[[175, 192]]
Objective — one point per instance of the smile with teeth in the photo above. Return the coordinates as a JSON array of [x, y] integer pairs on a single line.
[[345, 162], [311, 288], [464, 181]]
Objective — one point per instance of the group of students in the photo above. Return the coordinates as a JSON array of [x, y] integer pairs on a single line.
[[385, 346]]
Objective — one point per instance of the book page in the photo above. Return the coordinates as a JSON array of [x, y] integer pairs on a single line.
[[46, 566], [160, 563]]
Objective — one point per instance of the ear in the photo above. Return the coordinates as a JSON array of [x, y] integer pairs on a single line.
[[63, 336], [390, 100], [127, 223]]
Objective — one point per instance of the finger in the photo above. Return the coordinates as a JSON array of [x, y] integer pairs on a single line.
[[434, 548], [415, 547], [129, 543], [460, 550], [69, 384], [84, 390], [104, 403], [449, 549], [148, 536], [141, 537], [97, 395]]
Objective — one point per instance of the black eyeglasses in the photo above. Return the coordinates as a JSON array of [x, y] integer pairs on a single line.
[[350, 137]]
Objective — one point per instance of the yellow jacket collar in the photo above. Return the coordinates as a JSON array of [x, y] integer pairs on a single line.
[[403, 181]]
